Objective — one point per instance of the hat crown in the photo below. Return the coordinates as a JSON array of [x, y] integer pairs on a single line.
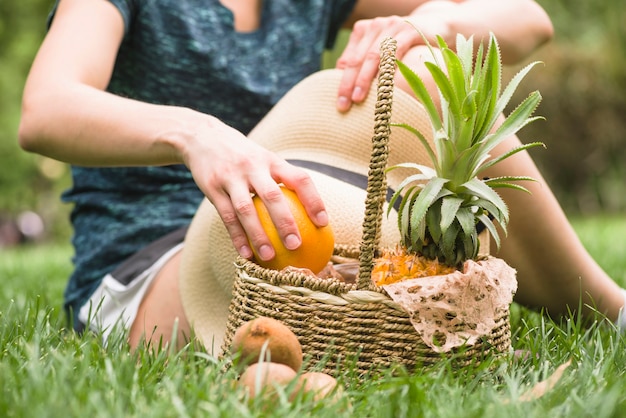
[[306, 125]]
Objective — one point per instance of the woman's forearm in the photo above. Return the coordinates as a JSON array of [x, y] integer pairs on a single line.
[[68, 115], [521, 26], [82, 125]]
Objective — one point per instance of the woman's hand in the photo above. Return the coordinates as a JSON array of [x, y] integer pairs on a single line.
[[94, 128], [228, 167], [361, 56], [521, 26]]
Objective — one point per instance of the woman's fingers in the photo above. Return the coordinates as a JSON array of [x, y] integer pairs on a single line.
[[360, 59], [234, 203], [299, 181], [282, 218]]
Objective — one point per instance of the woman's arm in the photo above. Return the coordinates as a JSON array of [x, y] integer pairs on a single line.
[[68, 115], [521, 26]]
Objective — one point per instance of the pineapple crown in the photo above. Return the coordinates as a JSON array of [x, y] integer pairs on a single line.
[[442, 205]]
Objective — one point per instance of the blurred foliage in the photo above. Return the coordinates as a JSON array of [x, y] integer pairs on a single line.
[[27, 181], [583, 84]]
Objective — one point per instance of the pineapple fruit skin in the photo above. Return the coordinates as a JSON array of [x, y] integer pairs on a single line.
[[397, 264]]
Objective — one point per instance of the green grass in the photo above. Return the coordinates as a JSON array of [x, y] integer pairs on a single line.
[[46, 371]]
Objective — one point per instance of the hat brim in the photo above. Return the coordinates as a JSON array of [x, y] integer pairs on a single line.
[[305, 127]]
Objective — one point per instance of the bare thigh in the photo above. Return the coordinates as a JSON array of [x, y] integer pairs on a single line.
[[161, 311], [554, 269]]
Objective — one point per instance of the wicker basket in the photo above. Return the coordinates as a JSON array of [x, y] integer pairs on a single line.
[[359, 323]]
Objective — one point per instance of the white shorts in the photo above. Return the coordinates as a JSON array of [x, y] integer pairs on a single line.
[[116, 301]]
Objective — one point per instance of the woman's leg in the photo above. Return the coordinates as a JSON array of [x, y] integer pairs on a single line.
[[554, 269], [161, 311]]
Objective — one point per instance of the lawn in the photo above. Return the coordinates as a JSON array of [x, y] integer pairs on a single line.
[[46, 371]]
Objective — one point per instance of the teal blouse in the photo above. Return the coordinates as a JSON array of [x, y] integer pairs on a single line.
[[186, 53]]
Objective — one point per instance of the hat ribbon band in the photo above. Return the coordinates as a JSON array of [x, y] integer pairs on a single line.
[[350, 177]]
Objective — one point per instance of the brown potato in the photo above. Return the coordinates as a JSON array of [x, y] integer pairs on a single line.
[[266, 377], [270, 336], [316, 383]]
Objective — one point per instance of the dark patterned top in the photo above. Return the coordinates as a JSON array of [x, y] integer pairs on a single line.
[[186, 53]]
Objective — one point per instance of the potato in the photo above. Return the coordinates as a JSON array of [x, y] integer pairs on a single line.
[[280, 344], [318, 384], [266, 377]]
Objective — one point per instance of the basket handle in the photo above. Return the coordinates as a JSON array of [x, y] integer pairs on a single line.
[[376, 181]]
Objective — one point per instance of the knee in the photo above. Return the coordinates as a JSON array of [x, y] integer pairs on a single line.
[[415, 58]]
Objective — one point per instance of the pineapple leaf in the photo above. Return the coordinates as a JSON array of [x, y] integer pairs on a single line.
[[425, 199], [423, 140], [471, 246], [404, 211], [483, 92], [467, 220], [427, 174], [508, 154], [449, 209], [446, 89], [433, 221], [516, 120], [488, 80], [448, 244], [417, 236], [441, 207], [455, 74], [511, 88], [509, 186], [487, 208], [505, 181], [419, 89], [501, 179], [465, 51], [466, 164], [469, 108], [483, 191], [491, 228]]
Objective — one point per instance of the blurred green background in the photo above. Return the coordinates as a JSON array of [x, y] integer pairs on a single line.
[[583, 83]]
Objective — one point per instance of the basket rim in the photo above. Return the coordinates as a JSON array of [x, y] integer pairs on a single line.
[[304, 279]]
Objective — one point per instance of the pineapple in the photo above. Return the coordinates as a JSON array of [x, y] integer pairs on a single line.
[[441, 206]]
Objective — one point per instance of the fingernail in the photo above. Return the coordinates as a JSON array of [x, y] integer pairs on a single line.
[[358, 94], [322, 218], [266, 252], [292, 242], [343, 103], [245, 252]]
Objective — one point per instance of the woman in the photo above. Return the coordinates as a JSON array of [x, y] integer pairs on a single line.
[[151, 103]]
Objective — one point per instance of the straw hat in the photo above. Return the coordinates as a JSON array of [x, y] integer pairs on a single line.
[[304, 127]]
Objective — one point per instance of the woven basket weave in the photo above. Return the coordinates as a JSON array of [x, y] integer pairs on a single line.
[[336, 321]]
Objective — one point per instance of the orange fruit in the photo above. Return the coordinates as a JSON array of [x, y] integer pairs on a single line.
[[317, 243]]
